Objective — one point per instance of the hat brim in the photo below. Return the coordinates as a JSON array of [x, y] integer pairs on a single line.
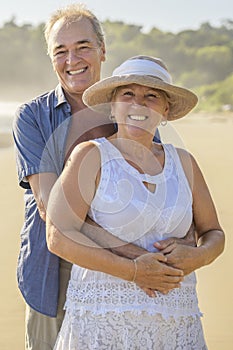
[[181, 100]]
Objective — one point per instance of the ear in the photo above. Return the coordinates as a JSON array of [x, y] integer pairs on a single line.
[[166, 111], [103, 50]]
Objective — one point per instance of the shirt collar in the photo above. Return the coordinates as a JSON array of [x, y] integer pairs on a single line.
[[59, 96]]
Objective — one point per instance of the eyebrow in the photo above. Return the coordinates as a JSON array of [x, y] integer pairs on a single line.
[[79, 42]]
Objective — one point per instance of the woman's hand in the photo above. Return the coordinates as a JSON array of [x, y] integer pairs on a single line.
[[153, 274]]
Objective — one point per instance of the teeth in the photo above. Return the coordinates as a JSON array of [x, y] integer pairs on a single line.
[[73, 72], [138, 117]]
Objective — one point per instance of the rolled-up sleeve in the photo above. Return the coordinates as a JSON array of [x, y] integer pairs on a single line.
[[31, 144]]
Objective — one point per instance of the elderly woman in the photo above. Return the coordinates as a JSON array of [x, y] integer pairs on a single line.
[[141, 192]]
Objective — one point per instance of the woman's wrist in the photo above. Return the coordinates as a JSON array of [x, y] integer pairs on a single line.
[[135, 270], [202, 256]]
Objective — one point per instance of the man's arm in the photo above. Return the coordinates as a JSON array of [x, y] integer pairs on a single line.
[[111, 242], [130, 250], [41, 185], [189, 239]]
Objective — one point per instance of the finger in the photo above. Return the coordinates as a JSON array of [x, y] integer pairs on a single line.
[[172, 271], [167, 287], [173, 279], [150, 292], [163, 244], [160, 257], [169, 249]]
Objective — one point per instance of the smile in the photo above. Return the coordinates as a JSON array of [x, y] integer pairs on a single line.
[[75, 72], [138, 117]]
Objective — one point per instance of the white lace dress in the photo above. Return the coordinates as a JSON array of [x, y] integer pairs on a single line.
[[104, 312]]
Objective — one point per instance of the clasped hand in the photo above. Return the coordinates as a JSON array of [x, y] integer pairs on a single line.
[[176, 258], [154, 274]]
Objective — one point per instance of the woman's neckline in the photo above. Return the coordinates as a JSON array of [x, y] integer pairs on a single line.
[[151, 178]]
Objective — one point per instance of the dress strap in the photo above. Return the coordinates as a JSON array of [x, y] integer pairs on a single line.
[[179, 167]]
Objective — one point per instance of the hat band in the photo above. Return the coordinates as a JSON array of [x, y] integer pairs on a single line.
[[143, 67]]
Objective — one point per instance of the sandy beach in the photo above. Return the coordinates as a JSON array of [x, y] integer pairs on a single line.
[[209, 139]]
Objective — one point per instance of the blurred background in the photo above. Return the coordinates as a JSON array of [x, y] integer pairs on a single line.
[[195, 39]]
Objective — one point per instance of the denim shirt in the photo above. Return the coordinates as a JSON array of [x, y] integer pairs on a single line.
[[40, 147], [40, 130]]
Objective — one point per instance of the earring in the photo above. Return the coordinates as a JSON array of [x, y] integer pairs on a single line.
[[163, 122], [112, 118]]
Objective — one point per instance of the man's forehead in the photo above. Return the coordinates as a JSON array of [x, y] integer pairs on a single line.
[[77, 31], [77, 27]]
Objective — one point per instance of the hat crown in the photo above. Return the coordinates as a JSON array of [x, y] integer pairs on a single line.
[[143, 67]]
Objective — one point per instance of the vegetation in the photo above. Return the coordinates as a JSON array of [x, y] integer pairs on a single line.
[[198, 59]]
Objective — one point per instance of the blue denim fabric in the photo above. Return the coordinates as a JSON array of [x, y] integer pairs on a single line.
[[40, 146], [157, 137]]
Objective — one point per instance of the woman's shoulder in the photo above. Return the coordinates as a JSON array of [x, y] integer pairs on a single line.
[[85, 154], [83, 148], [186, 157], [188, 163]]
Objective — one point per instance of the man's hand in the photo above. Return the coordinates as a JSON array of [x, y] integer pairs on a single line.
[[184, 257], [189, 239], [181, 253]]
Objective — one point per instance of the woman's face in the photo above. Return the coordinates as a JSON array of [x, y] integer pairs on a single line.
[[140, 107]]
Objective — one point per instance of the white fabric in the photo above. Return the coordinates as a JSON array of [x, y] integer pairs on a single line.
[[104, 312], [143, 67], [123, 331]]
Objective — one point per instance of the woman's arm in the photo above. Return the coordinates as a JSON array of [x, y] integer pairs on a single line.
[[68, 205], [210, 236]]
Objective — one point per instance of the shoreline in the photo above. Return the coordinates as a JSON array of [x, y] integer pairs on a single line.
[[6, 138]]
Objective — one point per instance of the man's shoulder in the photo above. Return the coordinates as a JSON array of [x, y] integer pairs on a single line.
[[45, 102], [39, 99], [43, 96]]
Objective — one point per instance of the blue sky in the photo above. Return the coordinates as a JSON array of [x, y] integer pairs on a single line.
[[167, 15]]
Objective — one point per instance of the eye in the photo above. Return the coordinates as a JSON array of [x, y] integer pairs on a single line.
[[83, 47], [128, 93], [59, 53], [153, 95]]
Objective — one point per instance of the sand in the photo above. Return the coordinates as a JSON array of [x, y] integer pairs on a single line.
[[210, 140]]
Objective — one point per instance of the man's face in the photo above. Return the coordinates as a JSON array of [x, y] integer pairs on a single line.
[[76, 55]]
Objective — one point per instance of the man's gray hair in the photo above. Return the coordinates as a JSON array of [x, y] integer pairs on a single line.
[[73, 13]]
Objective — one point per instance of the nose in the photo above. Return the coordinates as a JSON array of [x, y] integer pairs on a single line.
[[139, 100], [72, 57], [138, 107]]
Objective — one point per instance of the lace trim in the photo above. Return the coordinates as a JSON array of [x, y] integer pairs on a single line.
[[118, 331], [101, 298]]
